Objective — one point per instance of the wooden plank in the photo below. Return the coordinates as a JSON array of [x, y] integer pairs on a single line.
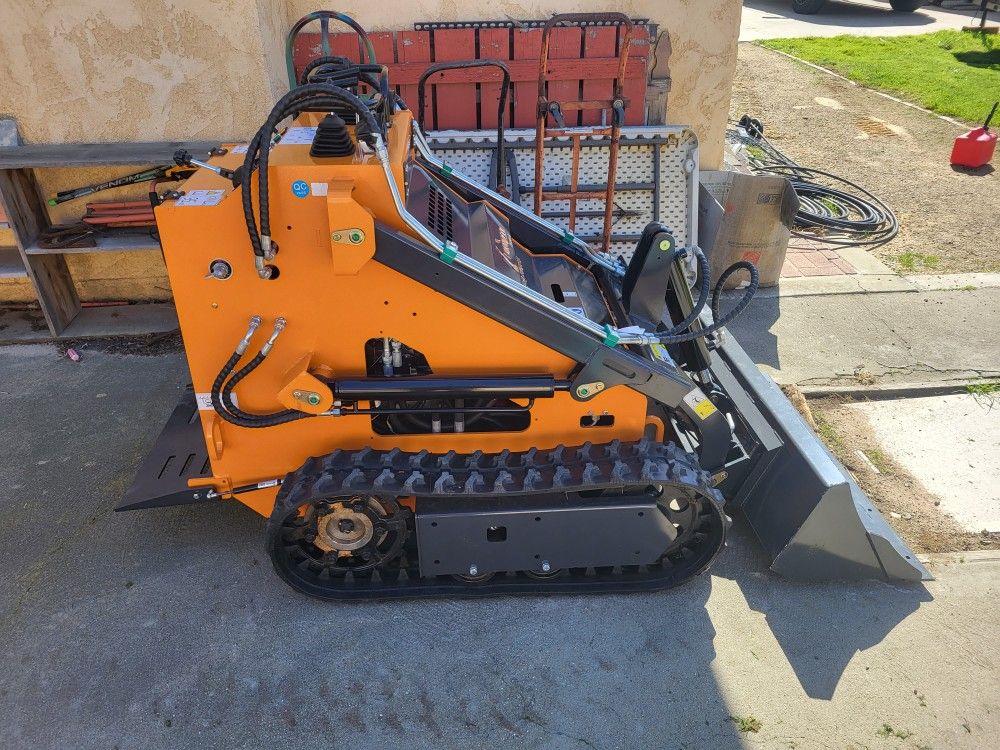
[[53, 284], [527, 46], [122, 320], [108, 243], [455, 106], [525, 71], [11, 265], [635, 81], [494, 44], [598, 41], [565, 44], [414, 48], [87, 154]]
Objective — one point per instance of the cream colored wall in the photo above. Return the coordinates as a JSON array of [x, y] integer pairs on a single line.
[[131, 70]]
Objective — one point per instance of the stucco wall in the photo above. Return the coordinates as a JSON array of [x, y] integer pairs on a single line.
[[113, 70]]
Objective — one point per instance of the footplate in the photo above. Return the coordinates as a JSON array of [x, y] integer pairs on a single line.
[[178, 455]]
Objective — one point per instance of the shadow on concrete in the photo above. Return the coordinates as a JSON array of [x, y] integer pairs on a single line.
[[847, 14], [752, 329], [820, 627], [167, 628]]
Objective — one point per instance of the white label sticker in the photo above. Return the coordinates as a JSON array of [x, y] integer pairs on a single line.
[[297, 137], [201, 198], [567, 293], [241, 149], [319, 188], [205, 401]]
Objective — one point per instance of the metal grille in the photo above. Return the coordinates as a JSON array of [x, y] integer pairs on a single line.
[[440, 214], [657, 177]]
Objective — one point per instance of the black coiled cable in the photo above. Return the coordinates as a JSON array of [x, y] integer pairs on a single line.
[[832, 209]]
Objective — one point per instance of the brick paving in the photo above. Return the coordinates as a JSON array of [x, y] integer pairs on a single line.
[[806, 259]]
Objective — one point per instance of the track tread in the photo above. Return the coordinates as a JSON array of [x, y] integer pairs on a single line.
[[395, 473]]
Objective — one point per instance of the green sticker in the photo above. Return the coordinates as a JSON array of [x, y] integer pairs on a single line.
[[448, 254]]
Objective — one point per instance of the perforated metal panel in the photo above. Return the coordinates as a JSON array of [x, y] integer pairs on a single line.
[[657, 177]]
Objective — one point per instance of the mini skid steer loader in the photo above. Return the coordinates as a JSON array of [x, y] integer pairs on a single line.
[[428, 390]]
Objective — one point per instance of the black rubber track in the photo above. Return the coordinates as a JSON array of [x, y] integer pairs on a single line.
[[609, 468]]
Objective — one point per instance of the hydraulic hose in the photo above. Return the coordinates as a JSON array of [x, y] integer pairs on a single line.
[[222, 391], [674, 337], [304, 97]]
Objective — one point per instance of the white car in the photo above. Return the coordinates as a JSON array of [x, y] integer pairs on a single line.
[[813, 6]]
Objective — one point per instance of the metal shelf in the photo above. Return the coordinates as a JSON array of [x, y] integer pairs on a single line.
[[112, 243], [88, 154]]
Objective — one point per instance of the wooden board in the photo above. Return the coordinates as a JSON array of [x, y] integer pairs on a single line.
[[582, 63], [53, 284], [454, 102]]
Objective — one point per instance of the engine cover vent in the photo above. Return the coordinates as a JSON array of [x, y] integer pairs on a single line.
[[440, 214]]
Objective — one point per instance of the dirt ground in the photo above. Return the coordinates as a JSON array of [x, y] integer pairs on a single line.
[[949, 220], [909, 508]]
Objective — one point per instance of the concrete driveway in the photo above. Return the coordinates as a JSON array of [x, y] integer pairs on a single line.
[[167, 629], [771, 19]]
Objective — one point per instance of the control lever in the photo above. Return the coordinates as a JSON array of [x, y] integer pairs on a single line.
[[183, 158]]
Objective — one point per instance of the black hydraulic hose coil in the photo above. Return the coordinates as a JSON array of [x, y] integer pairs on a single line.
[[311, 95], [222, 397]]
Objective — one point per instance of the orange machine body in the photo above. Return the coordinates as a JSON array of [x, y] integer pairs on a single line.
[[336, 297]]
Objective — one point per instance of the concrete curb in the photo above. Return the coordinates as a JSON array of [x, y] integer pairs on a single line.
[[888, 392], [809, 286]]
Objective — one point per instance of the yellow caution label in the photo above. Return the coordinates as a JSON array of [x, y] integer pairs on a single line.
[[660, 352], [700, 404]]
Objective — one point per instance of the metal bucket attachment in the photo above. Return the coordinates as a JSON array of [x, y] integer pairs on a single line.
[[806, 510]]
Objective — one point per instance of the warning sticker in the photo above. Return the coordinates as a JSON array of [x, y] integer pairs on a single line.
[[700, 404], [660, 352], [201, 198], [297, 137], [205, 401]]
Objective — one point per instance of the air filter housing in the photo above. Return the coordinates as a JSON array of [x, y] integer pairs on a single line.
[[332, 139]]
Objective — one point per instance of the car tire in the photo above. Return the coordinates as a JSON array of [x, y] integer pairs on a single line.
[[807, 7], [905, 6]]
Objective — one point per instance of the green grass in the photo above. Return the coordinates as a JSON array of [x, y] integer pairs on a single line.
[[952, 72], [909, 261], [888, 730], [747, 724]]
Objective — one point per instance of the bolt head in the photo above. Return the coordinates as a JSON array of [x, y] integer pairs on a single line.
[[313, 399], [545, 566], [473, 570]]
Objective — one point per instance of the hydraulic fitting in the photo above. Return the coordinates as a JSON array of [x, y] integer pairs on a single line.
[[245, 341], [387, 370], [397, 354], [279, 326]]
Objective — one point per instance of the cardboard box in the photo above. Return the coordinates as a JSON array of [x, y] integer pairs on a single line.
[[745, 217]]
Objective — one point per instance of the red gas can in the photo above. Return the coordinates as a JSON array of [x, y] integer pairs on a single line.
[[975, 148]]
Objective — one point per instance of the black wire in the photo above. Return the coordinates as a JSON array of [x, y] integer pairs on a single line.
[[832, 209]]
